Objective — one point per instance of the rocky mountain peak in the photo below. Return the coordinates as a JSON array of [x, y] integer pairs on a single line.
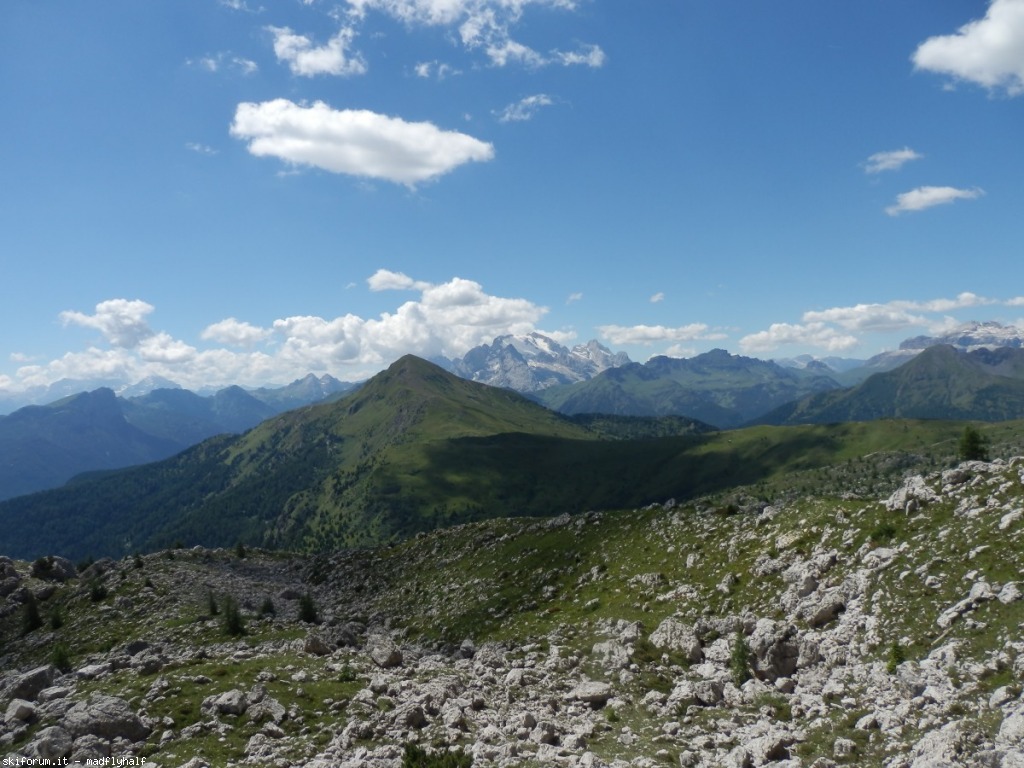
[[971, 336], [533, 361]]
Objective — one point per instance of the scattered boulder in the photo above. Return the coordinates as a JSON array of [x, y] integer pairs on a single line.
[[19, 710], [384, 652], [674, 635], [28, 685], [108, 717], [594, 693]]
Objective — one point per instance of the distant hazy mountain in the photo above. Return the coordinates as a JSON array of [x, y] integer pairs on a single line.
[[310, 389], [145, 386], [533, 362], [972, 336], [186, 418], [967, 337], [43, 446], [829, 365], [715, 387], [939, 382]]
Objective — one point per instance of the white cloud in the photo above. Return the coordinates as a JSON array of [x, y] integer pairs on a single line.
[[987, 51], [209, 63], [216, 62], [386, 280], [659, 296], [245, 66], [893, 315], [121, 321], [239, 5], [574, 297], [525, 108], [308, 60], [484, 25], [841, 328], [651, 334], [962, 301], [201, 149], [508, 51], [438, 69], [234, 332], [588, 55], [1017, 301], [678, 350], [448, 318], [866, 317], [926, 197], [355, 142], [892, 160], [162, 348], [809, 334]]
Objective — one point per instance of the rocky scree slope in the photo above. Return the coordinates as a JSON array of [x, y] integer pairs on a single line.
[[825, 632]]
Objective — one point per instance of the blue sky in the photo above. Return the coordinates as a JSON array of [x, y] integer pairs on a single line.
[[243, 192]]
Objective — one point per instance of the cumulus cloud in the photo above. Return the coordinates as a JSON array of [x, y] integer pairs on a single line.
[[807, 334], [121, 321], [447, 318], [659, 296], [236, 333], [306, 59], [892, 160], [927, 197], [987, 51], [162, 348], [484, 25], [646, 335], [893, 315], [841, 328], [524, 109], [354, 142], [386, 280]]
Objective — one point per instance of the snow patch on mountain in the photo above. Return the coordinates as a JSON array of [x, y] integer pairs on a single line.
[[530, 362], [971, 336]]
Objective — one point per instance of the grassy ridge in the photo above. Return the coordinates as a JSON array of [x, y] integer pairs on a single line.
[[416, 449]]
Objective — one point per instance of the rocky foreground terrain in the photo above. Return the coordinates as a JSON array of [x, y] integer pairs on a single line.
[[818, 632]]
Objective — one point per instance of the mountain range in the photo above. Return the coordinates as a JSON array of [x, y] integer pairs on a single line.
[[940, 382], [414, 449], [715, 387], [43, 446], [532, 362]]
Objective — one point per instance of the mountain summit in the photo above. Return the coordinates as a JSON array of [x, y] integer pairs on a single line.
[[972, 336], [413, 449], [531, 362]]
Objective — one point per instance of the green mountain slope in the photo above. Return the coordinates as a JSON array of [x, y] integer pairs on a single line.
[[340, 471], [940, 383], [715, 387], [42, 446], [413, 450]]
